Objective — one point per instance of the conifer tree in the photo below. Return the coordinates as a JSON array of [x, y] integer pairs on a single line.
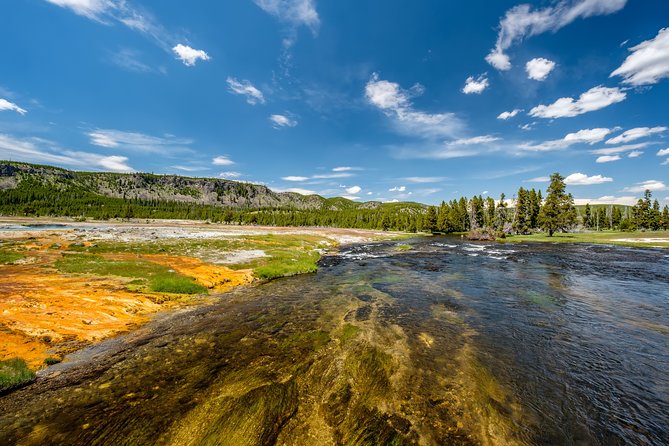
[[558, 212]]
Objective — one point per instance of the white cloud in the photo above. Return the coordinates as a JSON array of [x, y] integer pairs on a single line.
[[539, 68], [607, 199], [589, 136], [509, 114], [475, 85], [607, 158], [327, 176], [294, 12], [282, 121], [636, 133], [648, 63], [483, 139], [138, 142], [423, 180], [538, 180], [353, 190], [36, 150], [222, 161], [594, 99], [523, 21], [244, 87], [619, 149], [189, 56], [581, 179], [651, 185], [345, 169], [397, 189], [663, 152], [6, 105], [634, 154], [585, 136], [395, 102], [92, 9], [527, 127], [230, 174], [294, 178]]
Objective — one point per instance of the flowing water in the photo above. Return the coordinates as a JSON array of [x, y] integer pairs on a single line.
[[448, 343]]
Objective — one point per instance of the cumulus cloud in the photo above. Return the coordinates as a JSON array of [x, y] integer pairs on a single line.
[[523, 21], [39, 150], [663, 152], [634, 154], [189, 56], [651, 185], [607, 158], [636, 133], [222, 161], [353, 190], [475, 85], [594, 99], [581, 179], [539, 68], [397, 189], [245, 88], [282, 121], [395, 102], [509, 114], [648, 63], [6, 105], [293, 12]]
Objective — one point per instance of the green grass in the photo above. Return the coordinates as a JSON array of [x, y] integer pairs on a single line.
[[603, 237], [8, 257], [14, 373], [349, 332], [160, 278], [403, 248]]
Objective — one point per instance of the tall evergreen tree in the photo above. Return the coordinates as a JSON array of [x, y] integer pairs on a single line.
[[430, 223], [558, 212]]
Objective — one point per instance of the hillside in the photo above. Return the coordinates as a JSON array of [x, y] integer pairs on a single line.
[[31, 189]]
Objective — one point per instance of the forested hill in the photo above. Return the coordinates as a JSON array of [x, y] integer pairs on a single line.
[[30, 189]]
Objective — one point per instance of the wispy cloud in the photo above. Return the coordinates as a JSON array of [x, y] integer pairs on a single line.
[[607, 199], [246, 88], [424, 180], [620, 149], [607, 158], [129, 60], [585, 136], [40, 150], [395, 103], [648, 63], [594, 99], [651, 185], [6, 105], [280, 121], [523, 21], [109, 12], [293, 12], [222, 161], [139, 142], [636, 133], [509, 114]]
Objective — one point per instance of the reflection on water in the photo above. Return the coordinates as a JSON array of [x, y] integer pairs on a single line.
[[448, 343]]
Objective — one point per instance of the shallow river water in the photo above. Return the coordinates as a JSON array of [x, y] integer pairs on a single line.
[[448, 343]]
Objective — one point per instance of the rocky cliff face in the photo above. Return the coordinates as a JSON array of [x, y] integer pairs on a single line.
[[207, 191]]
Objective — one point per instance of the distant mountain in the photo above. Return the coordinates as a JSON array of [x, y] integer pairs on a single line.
[[147, 187]]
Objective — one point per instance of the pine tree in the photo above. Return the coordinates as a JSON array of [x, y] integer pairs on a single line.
[[500, 218], [430, 223], [587, 217], [521, 218], [558, 212]]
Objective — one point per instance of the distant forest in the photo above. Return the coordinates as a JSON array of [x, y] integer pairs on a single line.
[[529, 211]]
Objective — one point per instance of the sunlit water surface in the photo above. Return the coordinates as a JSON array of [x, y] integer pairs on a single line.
[[448, 343]]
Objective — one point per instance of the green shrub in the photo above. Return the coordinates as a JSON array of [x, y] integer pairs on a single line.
[[14, 373], [175, 283]]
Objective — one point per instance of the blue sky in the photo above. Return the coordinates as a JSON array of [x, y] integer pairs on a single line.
[[373, 100]]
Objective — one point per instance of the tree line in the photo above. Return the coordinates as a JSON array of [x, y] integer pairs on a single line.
[[528, 212]]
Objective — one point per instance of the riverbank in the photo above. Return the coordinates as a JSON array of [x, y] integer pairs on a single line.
[[65, 285], [636, 239]]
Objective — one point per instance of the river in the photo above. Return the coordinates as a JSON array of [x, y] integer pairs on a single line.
[[449, 342]]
